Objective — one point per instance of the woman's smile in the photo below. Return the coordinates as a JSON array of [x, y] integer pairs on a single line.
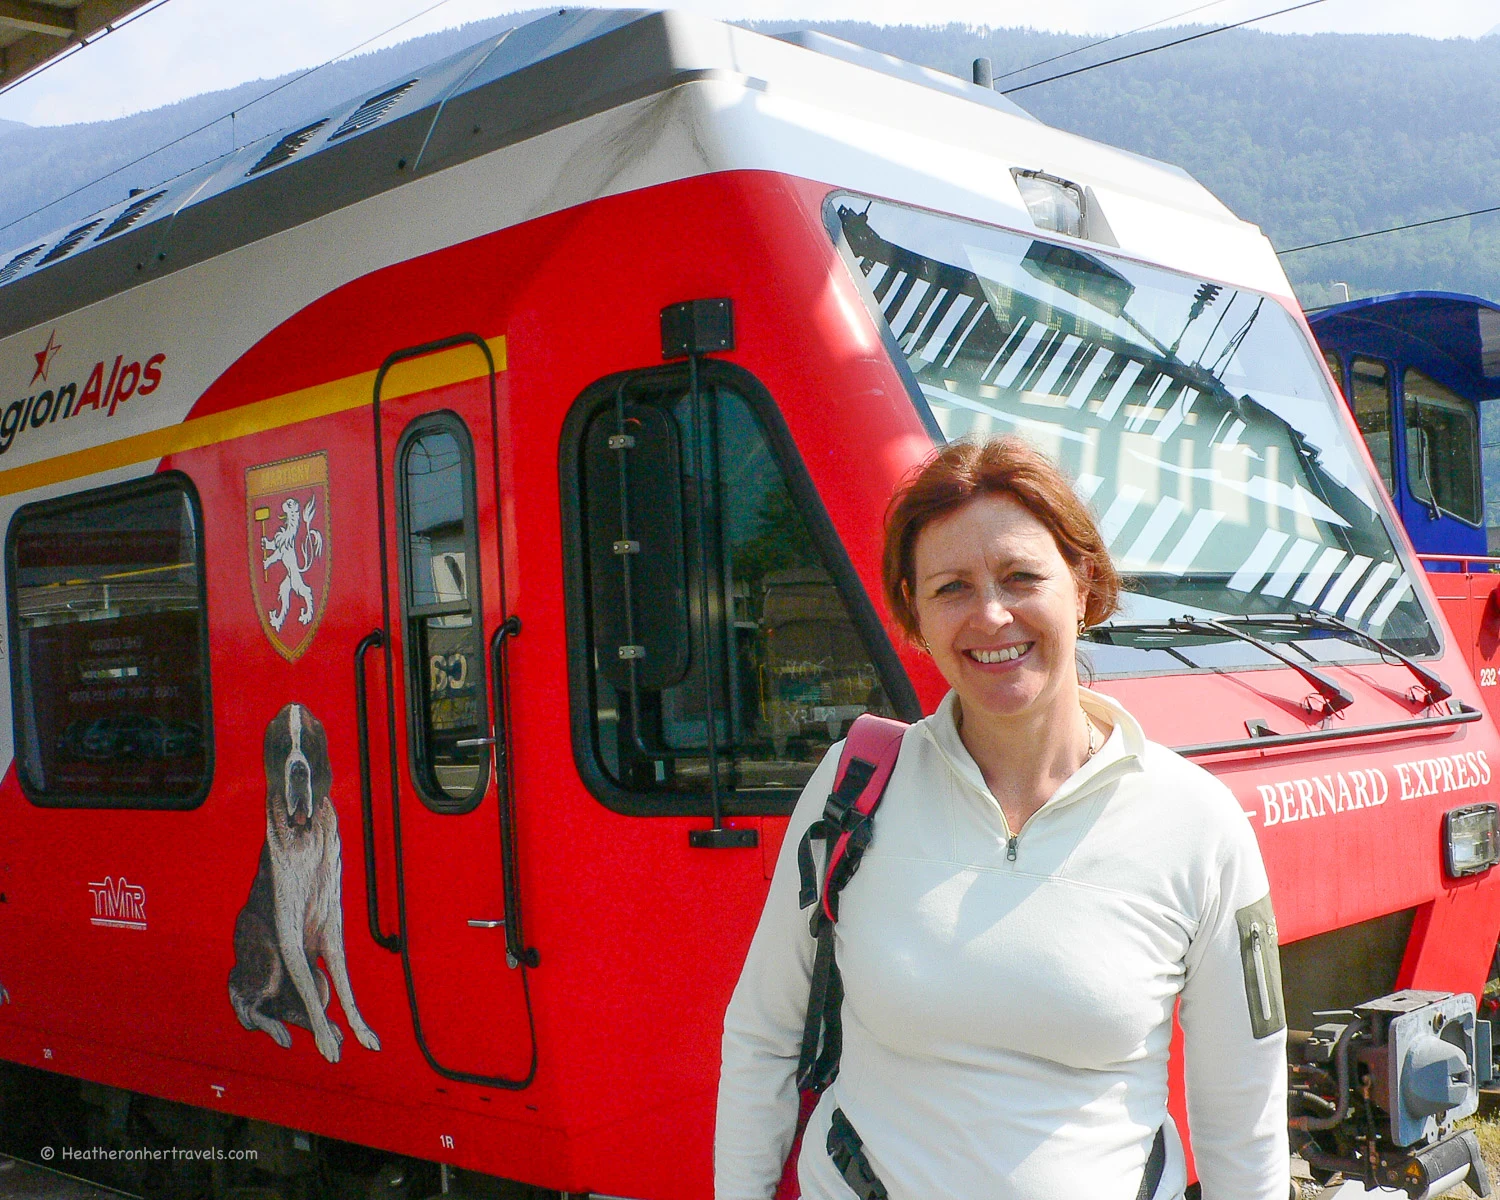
[[1000, 655]]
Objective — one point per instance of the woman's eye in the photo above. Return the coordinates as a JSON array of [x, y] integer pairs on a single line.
[[952, 587]]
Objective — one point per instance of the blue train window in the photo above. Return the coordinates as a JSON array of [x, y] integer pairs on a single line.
[[1442, 448], [1372, 412]]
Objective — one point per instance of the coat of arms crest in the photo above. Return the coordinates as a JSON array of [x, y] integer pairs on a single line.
[[290, 547]]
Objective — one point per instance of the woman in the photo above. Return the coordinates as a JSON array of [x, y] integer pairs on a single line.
[[1044, 886]]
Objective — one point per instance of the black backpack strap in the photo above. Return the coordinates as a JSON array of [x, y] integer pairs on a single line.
[[841, 815], [823, 1029], [1156, 1163], [848, 1154]]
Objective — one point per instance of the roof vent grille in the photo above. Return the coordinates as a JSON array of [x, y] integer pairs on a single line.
[[18, 264], [63, 247], [284, 149], [371, 110], [132, 213]]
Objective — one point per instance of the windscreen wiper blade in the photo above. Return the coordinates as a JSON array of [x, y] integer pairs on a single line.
[[1154, 634], [1432, 685], [1335, 698]]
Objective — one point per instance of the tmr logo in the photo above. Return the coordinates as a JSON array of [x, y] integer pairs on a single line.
[[118, 905]]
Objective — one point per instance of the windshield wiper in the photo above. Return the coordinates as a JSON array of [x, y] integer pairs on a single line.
[[1433, 687], [1161, 636], [1335, 698]]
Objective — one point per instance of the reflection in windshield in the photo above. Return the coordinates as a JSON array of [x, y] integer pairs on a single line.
[[1191, 415]]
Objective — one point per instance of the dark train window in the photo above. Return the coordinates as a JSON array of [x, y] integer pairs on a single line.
[[1336, 369], [703, 606], [109, 640], [446, 695], [1442, 448], [1373, 401]]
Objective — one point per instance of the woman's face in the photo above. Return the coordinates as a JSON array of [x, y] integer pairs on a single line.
[[998, 608]]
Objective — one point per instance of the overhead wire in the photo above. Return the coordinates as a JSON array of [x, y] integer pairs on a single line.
[[82, 44], [1369, 233], [1338, 241], [1203, 33], [1042, 62], [239, 108]]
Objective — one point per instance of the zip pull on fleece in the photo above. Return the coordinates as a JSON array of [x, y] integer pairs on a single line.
[[1010, 848]]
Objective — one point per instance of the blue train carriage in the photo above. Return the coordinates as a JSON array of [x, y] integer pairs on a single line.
[[1419, 370]]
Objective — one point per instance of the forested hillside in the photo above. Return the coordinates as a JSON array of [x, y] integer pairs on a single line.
[[1309, 136]]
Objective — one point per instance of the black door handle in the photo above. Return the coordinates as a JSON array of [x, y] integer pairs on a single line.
[[517, 952], [371, 641]]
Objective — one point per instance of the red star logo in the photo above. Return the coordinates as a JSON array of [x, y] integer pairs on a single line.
[[44, 357]]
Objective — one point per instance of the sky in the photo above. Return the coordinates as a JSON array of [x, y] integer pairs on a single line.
[[191, 46]]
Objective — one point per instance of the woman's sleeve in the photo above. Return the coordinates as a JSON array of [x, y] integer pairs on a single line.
[[757, 1115], [1234, 1029]]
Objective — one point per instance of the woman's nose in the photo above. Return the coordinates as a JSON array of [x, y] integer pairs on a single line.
[[994, 606]]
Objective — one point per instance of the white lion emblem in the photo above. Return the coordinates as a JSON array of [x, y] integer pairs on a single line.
[[282, 548]]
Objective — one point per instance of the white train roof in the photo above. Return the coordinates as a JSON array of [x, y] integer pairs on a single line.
[[803, 104]]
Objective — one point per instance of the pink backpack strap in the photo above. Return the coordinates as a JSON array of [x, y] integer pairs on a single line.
[[869, 757], [846, 827]]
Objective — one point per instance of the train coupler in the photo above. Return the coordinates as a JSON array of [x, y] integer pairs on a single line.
[[1376, 1091]]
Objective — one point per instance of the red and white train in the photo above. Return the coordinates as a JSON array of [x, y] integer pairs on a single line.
[[441, 540]]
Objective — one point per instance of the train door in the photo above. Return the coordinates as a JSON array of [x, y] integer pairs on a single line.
[[442, 638]]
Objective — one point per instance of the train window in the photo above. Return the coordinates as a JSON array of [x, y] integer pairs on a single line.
[[704, 607], [109, 670], [1373, 403], [1194, 416], [446, 695], [1442, 448], [1336, 369]]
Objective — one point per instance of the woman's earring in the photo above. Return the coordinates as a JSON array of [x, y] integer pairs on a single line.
[[1082, 627]]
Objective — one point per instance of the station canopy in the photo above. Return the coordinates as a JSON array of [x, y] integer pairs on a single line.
[[32, 31]]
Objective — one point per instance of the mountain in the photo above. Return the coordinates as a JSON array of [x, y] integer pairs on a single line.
[[1310, 136], [42, 164]]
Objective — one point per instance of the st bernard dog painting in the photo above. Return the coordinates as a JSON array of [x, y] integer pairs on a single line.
[[295, 912]]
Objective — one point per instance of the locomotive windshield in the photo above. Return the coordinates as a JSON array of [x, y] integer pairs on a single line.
[[1192, 415]]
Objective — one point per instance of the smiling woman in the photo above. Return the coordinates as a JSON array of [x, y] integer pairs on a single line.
[[1044, 887], [994, 567]]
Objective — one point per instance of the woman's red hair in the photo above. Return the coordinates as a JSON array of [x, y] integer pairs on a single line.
[[1002, 466]]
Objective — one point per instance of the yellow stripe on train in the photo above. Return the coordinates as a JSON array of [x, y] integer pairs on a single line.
[[456, 365]]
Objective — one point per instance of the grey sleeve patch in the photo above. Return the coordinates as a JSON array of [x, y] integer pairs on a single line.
[[1262, 967]]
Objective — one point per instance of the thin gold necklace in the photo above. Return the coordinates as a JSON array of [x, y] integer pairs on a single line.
[[1088, 723]]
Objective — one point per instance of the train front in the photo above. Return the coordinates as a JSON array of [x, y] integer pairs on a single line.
[[1276, 626]]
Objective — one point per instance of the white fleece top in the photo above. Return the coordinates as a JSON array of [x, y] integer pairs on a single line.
[[1006, 1023]]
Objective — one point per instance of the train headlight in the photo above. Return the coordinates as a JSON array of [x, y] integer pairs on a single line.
[[1055, 204], [1471, 839]]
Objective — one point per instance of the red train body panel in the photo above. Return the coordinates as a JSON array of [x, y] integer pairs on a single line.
[[639, 934]]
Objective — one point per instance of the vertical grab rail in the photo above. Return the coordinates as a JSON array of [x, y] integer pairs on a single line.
[[371, 641], [517, 952]]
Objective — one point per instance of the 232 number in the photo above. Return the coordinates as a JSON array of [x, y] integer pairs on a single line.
[[1487, 677]]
